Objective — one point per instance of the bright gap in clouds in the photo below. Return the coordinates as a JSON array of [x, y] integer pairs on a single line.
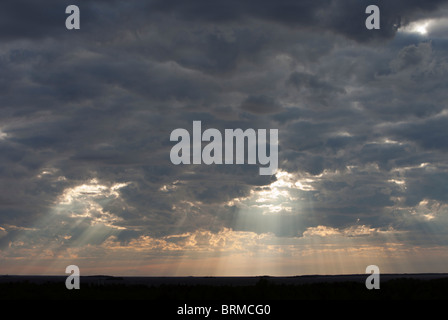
[[280, 196], [420, 26], [77, 221], [87, 234], [87, 201]]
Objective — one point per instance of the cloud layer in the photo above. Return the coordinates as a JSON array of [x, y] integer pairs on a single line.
[[86, 115]]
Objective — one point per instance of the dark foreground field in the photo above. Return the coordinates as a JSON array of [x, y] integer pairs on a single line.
[[417, 286]]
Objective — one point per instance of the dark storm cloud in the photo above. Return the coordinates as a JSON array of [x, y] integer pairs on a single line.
[[340, 17], [261, 105], [428, 134], [30, 19], [25, 19], [351, 106]]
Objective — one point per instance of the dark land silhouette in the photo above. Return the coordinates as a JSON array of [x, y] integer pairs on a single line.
[[313, 287]]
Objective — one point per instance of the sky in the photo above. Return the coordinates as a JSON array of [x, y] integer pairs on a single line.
[[86, 116]]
